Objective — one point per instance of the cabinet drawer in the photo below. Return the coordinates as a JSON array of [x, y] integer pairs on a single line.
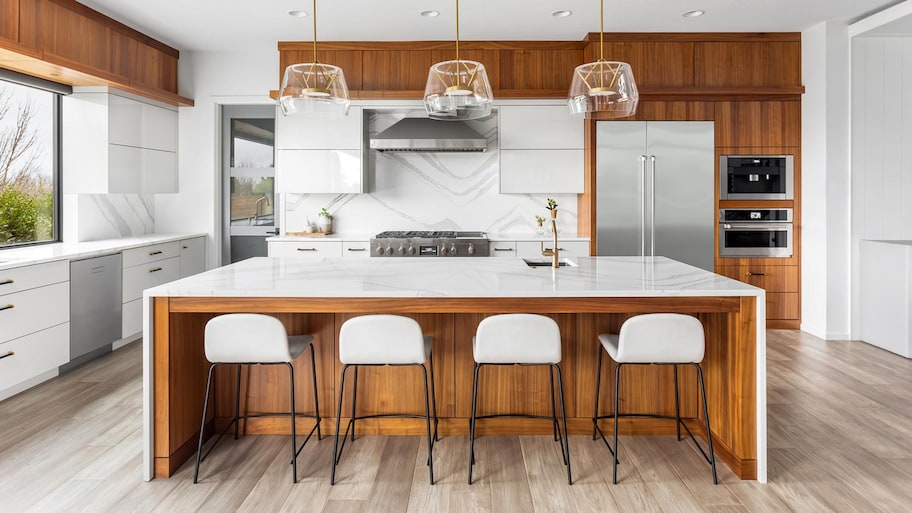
[[138, 278], [772, 278], [32, 276], [151, 253], [306, 249], [34, 310], [569, 249], [131, 322], [34, 354], [356, 249], [503, 249], [193, 256], [783, 305]]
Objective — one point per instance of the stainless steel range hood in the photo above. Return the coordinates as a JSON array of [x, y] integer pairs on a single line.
[[424, 134]]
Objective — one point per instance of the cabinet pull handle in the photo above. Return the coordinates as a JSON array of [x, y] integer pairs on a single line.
[[749, 273], [357, 249], [559, 249], [185, 247], [7, 355], [6, 282], [307, 249], [152, 253], [7, 307], [503, 249], [155, 270]]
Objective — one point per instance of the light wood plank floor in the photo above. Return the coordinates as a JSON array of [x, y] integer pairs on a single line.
[[840, 426]]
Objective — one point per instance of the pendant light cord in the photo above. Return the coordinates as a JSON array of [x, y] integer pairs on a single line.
[[315, 30], [601, 31], [457, 30]]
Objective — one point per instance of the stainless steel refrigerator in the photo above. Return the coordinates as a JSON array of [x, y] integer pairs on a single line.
[[655, 187]]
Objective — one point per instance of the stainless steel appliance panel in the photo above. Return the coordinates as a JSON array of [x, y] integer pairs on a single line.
[[756, 177], [758, 233], [95, 303], [620, 173], [655, 190]]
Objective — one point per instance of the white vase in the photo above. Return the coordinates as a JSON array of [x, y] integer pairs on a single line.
[[325, 225]]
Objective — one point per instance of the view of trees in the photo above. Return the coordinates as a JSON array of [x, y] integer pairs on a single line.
[[26, 194]]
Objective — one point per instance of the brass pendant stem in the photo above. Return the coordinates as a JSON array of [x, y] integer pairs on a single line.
[[601, 31], [315, 30], [457, 30]]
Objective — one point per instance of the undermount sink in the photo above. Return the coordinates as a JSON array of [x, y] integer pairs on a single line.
[[546, 262]]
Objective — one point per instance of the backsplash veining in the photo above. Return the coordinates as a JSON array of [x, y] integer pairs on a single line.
[[108, 216], [431, 191]]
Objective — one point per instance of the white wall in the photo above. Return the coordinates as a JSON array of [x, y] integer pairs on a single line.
[[825, 182], [212, 79], [881, 144]]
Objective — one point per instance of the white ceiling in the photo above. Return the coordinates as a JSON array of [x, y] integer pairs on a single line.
[[238, 24]]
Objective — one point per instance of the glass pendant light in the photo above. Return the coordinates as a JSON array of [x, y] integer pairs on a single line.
[[603, 86], [313, 87], [458, 89]]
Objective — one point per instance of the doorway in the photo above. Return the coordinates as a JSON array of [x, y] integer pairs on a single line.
[[249, 202]]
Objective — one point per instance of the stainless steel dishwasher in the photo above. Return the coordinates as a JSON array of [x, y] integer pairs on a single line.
[[96, 289]]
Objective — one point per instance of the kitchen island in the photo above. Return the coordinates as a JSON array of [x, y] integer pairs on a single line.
[[448, 297]]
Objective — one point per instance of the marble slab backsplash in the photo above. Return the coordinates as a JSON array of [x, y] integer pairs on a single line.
[[108, 216], [431, 191]]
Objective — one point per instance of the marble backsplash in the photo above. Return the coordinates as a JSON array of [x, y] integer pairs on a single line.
[[431, 191], [91, 217]]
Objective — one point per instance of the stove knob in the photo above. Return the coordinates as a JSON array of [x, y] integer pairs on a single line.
[[379, 251], [453, 250], [411, 250], [389, 250], [443, 251], [401, 249], [471, 249]]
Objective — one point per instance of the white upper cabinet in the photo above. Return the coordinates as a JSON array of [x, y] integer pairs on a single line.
[[320, 155], [304, 132], [531, 127], [115, 144], [541, 150]]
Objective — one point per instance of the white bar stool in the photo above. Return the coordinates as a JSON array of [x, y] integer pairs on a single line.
[[519, 339], [655, 339], [384, 340], [255, 339]]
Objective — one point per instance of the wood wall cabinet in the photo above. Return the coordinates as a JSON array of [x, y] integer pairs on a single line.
[[117, 144], [541, 150], [35, 315], [9, 20]]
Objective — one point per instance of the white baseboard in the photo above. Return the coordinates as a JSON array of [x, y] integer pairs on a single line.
[[29, 383], [126, 340]]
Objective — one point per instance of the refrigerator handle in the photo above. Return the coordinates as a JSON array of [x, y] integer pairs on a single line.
[[643, 205], [652, 220]]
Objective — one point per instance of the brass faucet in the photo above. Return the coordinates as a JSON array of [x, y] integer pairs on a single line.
[[553, 252]]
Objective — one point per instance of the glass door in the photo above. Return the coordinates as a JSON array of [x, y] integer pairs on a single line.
[[249, 201]]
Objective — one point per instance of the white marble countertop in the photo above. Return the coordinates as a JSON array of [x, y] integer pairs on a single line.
[[454, 277], [17, 257]]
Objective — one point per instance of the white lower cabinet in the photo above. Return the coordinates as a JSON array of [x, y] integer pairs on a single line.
[[356, 249], [27, 357], [35, 309], [131, 320], [316, 249], [568, 249], [192, 256], [502, 248]]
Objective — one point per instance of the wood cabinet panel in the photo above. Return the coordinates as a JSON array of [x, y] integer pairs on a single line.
[[772, 278], [747, 64], [783, 305], [758, 124], [535, 68], [9, 20], [671, 111], [348, 60]]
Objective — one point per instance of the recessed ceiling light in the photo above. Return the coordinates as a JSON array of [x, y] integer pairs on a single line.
[[561, 14], [297, 14], [430, 14], [693, 14]]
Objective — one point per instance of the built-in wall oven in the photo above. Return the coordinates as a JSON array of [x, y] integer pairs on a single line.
[[761, 233], [757, 177]]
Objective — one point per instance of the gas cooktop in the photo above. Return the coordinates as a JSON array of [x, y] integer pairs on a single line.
[[418, 243]]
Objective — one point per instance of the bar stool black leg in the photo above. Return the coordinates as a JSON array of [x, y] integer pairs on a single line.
[[336, 455], [617, 386], [554, 426], [313, 369], [427, 417], [294, 422], [237, 403], [472, 421], [598, 385], [354, 402], [199, 446], [677, 404], [709, 438], [566, 436], [434, 396]]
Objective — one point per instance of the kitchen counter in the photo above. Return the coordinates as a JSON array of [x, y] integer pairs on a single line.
[[355, 236], [448, 298], [17, 257]]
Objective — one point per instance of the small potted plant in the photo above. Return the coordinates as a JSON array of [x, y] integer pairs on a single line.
[[539, 220], [325, 222], [552, 207]]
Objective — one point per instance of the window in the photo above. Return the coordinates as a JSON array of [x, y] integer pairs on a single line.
[[29, 184]]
